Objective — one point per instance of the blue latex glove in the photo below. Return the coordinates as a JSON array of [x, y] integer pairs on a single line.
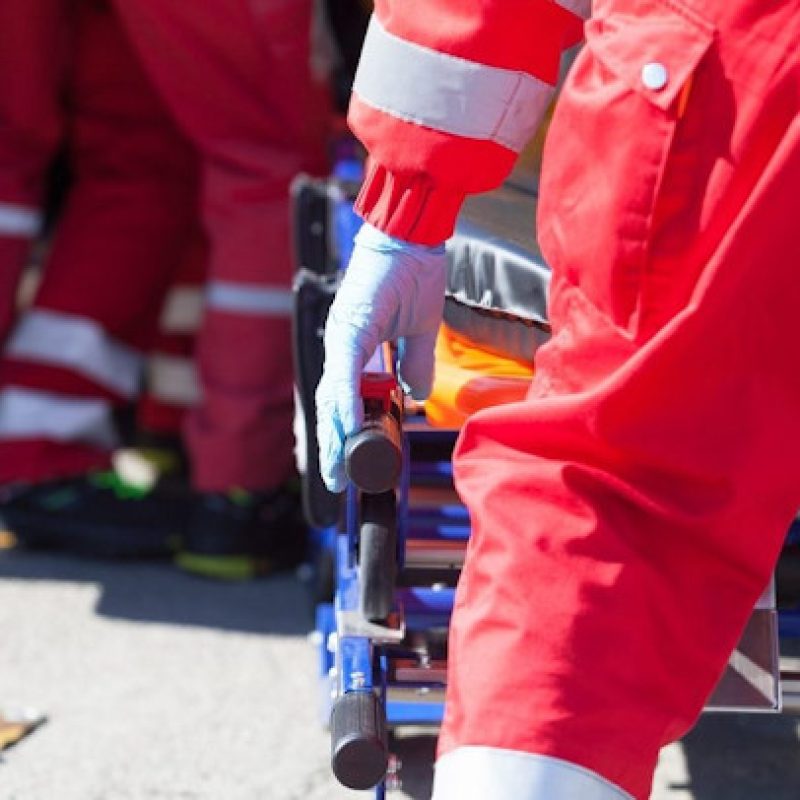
[[392, 290]]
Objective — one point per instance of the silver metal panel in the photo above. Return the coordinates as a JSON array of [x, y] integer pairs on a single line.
[[441, 553], [751, 681], [790, 691]]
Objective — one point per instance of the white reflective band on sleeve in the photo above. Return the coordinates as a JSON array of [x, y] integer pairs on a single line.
[[183, 310], [29, 414], [173, 380], [22, 221], [447, 93], [489, 773], [77, 344], [581, 8], [249, 298]]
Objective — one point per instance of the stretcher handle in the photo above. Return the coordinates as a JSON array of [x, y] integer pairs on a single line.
[[359, 742], [373, 457]]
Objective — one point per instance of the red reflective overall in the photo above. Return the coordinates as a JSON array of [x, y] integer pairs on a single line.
[[123, 232], [237, 80], [628, 513]]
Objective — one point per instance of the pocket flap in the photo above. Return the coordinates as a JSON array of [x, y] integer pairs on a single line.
[[653, 45]]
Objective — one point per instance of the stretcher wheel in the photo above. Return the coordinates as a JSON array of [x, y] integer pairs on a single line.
[[359, 745], [377, 560]]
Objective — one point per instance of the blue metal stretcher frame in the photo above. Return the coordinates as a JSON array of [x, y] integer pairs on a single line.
[[364, 665]]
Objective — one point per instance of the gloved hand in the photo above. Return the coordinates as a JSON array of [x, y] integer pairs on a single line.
[[391, 290]]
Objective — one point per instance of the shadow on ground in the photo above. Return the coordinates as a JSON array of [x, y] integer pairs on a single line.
[[727, 757], [743, 757], [158, 592]]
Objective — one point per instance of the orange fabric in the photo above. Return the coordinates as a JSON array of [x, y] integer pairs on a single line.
[[469, 378]]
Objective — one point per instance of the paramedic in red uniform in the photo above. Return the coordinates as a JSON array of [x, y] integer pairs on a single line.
[[34, 52], [45, 96], [128, 228], [243, 82], [238, 81], [626, 515]]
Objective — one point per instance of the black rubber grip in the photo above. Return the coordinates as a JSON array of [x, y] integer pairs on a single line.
[[377, 555], [359, 747], [373, 457]]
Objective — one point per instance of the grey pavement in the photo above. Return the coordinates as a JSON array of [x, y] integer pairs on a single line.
[[158, 685]]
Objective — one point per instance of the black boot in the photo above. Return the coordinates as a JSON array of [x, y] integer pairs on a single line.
[[95, 514], [238, 535]]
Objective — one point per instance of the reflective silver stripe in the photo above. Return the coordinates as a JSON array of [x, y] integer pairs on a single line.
[[489, 773], [768, 599], [77, 344], [29, 414], [249, 298], [762, 680], [183, 310], [447, 93], [173, 380], [17, 220], [581, 8]]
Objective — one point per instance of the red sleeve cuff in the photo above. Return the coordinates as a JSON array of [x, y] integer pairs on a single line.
[[408, 207]]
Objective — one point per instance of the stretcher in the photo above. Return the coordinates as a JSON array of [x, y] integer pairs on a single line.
[[390, 550]]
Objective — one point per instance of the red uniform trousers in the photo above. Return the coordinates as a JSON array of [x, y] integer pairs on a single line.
[[627, 515], [127, 222], [222, 72], [33, 57], [237, 78], [171, 386]]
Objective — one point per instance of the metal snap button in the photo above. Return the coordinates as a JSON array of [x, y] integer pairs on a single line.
[[655, 76]]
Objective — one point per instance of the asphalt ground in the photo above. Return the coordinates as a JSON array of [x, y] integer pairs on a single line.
[[158, 685]]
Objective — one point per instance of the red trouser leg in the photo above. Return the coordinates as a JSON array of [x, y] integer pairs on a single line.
[[627, 515], [236, 77], [33, 49], [171, 387], [77, 352]]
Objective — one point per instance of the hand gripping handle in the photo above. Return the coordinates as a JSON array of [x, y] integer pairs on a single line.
[[373, 457]]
